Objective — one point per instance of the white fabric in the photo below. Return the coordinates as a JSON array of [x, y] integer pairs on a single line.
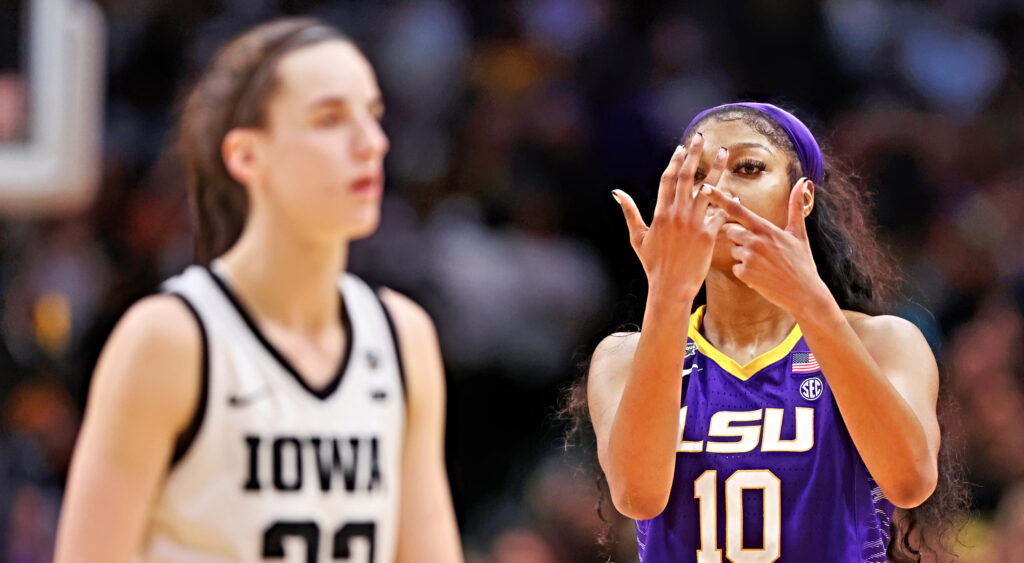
[[212, 508]]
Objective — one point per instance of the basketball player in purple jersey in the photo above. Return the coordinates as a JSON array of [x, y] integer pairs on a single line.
[[780, 421]]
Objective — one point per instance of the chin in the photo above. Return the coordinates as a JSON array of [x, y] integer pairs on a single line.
[[722, 260], [364, 227], [721, 254]]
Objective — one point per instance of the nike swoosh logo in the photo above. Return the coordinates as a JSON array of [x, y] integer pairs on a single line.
[[239, 401]]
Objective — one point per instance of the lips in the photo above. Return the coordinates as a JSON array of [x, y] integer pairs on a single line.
[[370, 186]]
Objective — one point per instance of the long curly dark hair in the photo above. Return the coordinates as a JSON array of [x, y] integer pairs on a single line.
[[861, 278]]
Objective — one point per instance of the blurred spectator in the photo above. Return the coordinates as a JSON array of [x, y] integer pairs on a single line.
[[40, 423], [13, 107], [985, 360]]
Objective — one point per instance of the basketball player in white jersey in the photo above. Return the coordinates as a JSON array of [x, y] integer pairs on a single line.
[[267, 406]]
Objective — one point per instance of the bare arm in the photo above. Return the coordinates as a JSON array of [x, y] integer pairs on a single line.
[[636, 382], [427, 529], [885, 381], [143, 394], [634, 391]]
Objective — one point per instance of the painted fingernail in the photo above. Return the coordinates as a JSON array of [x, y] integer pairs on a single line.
[[736, 198], [802, 179], [679, 149], [722, 151], [698, 135], [618, 199], [706, 189]]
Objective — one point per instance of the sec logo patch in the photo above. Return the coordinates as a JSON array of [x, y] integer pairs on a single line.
[[811, 388]]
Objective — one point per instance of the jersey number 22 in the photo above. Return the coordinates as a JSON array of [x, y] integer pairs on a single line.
[[273, 539]]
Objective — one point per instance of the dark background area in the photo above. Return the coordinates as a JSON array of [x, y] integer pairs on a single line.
[[510, 124]]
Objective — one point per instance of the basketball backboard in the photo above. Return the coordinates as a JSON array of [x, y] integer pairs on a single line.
[[51, 96]]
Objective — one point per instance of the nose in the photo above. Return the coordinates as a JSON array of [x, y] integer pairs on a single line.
[[724, 187], [371, 141]]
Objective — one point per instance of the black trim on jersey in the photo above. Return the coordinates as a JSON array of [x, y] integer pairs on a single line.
[[321, 393], [398, 347], [188, 435]]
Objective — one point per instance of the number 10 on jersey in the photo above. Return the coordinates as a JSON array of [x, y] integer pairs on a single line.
[[705, 491]]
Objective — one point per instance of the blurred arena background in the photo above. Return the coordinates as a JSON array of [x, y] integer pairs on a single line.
[[510, 123]]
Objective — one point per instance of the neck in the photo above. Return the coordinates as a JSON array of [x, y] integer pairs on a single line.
[[739, 321], [285, 278]]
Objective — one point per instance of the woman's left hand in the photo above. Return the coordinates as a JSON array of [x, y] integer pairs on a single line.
[[777, 263]]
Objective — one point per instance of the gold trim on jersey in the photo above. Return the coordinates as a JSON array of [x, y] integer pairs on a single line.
[[730, 365]]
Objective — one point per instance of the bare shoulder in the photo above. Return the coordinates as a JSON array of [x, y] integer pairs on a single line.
[[410, 318], [883, 328], [617, 345], [895, 343], [419, 350], [613, 353], [163, 319], [153, 357], [159, 326]]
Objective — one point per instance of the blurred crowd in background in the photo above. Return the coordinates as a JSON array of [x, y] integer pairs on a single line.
[[510, 123]]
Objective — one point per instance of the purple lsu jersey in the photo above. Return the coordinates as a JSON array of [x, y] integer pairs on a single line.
[[765, 468]]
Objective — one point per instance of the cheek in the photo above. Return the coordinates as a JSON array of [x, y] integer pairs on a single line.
[[770, 208], [311, 178], [314, 156], [769, 199]]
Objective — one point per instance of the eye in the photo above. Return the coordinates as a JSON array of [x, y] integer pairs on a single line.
[[328, 119], [748, 167]]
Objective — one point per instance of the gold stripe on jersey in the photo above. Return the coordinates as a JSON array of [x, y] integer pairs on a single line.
[[730, 365]]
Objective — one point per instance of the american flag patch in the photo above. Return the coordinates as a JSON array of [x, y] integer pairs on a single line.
[[805, 362]]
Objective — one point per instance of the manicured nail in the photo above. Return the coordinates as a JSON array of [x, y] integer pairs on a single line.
[[618, 199], [706, 189], [736, 198], [698, 135], [679, 149], [802, 179], [722, 151]]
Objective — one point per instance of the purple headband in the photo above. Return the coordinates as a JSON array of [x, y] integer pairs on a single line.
[[807, 149]]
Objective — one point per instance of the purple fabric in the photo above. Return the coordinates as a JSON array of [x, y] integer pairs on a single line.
[[807, 149], [831, 508]]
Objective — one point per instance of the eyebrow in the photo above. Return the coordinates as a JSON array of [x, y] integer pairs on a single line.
[[752, 145], [376, 103]]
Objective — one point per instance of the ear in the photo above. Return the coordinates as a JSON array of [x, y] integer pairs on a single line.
[[240, 151], [807, 198]]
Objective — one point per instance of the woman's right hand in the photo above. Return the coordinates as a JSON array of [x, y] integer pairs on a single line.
[[675, 250]]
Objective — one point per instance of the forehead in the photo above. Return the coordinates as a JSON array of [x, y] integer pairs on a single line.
[[731, 132], [329, 68]]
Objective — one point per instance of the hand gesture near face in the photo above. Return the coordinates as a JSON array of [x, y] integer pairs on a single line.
[[675, 250], [775, 262]]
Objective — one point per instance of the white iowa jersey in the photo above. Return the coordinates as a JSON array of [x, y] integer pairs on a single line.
[[272, 469]]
